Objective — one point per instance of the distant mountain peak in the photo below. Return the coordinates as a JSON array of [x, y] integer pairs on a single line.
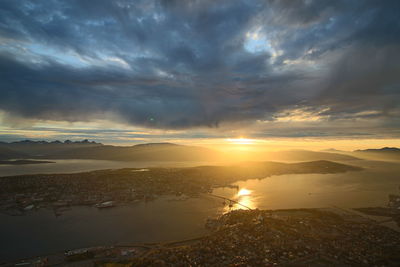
[[391, 149], [384, 149], [156, 144], [27, 141], [331, 150]]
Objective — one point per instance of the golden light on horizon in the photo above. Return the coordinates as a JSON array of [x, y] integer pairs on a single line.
[[241, 141]]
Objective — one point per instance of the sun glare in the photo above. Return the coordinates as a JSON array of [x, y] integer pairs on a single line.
[[244, 192], [244, 201], [241, 141]]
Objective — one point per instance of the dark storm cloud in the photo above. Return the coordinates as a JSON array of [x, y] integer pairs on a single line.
[[182, 64]]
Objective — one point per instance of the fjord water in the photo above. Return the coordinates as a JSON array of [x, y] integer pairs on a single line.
[[83, 165], [167, 219], [366, 188], [41, 233]]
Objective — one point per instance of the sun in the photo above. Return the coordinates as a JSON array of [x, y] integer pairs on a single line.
[[241, 141]]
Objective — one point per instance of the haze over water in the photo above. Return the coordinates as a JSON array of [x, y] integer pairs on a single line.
[[82, 165]]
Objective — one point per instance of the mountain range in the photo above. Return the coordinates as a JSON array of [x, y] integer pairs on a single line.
[[92, 150], [86, 149], [385, 153]]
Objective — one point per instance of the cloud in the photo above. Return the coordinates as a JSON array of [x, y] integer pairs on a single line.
[[190, 64]]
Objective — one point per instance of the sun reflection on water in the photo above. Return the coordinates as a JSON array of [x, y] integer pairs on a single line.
[[244, 198], [244, 192]]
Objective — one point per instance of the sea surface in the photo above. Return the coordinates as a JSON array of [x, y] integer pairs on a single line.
[[366, 188], [168, 219], [41, 233], [83, 165]]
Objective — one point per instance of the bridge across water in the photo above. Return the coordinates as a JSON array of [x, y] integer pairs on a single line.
[[231, 201]]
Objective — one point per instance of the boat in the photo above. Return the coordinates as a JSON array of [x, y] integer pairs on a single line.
[[107, 204], [29, 207]]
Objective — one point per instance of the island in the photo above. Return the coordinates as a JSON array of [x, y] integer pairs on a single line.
[[107, 188]]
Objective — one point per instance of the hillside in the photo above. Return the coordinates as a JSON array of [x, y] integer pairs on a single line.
[[146, 152], [34, 149], [91, 150], [305, 155], [385, 153]]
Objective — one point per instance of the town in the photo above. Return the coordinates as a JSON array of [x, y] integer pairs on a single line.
[[302, 237]]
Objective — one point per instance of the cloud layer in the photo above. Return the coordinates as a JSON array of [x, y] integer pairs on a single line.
[[186, 64]]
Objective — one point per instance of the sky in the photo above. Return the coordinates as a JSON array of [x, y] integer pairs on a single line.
[[291, 73]]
